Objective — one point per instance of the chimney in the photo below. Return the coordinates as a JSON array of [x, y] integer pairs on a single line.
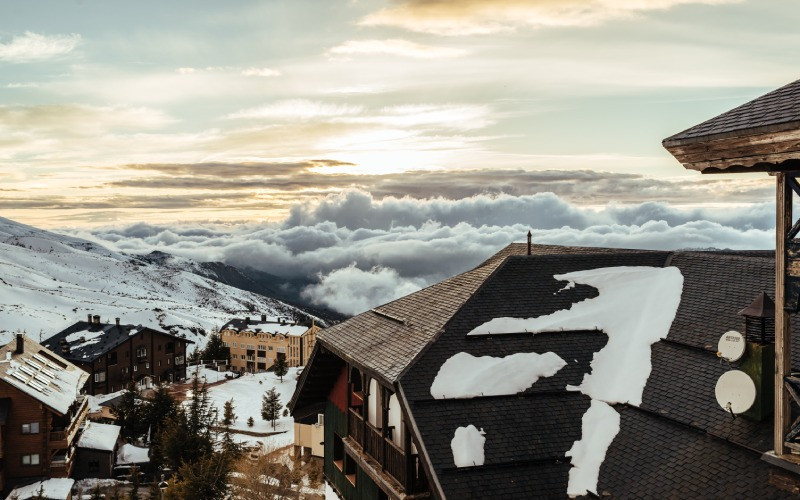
[[117, 320], [96, 319], [8, 355], [90, 318], [20, 344], [263, 318], [247, 320], [759, 357], [529, 241]]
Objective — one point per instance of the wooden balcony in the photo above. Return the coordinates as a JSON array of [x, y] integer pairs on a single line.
[[63, 437], [406, 471]]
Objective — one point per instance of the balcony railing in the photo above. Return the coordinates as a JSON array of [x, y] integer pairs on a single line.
[[61, 438], [390, 456]]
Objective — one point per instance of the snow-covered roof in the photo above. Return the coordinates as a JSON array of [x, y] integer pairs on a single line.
[[97, 436], [269, 325], [130, 454], [59, 488], [41, 374]]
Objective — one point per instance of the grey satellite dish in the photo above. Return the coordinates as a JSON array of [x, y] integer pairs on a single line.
[[731, 346], [735, 391]]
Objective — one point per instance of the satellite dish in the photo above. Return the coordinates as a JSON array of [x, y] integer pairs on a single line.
[[735, 391], [731, 346]]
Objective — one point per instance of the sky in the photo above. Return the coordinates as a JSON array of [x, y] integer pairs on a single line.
[[272, 133]]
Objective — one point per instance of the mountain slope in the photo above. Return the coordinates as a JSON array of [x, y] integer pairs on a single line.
[[48, 281]]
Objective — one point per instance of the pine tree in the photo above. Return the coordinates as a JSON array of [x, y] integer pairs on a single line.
[[159, 408], [228, 418], [129, 414], [206, 478], [215, 349], [155, 491], [281, 368], [250, 422], [271, 406]]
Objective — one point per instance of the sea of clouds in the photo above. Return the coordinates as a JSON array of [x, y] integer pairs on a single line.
[[362, 251]]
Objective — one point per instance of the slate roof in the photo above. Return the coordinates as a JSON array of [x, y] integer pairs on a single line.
[[98, 339], [773, 112], [678, 444]]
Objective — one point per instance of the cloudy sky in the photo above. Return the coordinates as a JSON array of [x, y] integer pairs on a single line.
[[369, 126]]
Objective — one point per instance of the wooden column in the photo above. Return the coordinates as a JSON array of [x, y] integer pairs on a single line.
[[783, 330]]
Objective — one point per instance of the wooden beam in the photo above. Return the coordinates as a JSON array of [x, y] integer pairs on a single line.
[[783, 331]]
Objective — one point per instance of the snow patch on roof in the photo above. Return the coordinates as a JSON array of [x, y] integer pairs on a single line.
[[600, 425], [635, 308], [130, 454], [98, 436], [467, 376], [467, 446], [51, 488]]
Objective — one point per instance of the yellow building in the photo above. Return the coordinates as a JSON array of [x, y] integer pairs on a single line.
[[255, 344]]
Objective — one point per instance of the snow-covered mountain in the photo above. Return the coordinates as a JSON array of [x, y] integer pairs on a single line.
[[48, 281]]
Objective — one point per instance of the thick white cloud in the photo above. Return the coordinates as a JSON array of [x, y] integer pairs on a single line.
[[351, 290], [365, 252], [36, 47]]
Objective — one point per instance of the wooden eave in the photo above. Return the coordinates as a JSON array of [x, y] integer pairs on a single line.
[[764, 149]]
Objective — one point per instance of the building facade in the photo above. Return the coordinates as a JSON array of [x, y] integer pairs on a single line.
[[116, 354], [255, 345], [41, 412]]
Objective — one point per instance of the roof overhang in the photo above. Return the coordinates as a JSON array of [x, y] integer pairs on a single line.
[[758, 149]]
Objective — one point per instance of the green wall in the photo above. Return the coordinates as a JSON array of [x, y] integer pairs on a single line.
[[366, 489]]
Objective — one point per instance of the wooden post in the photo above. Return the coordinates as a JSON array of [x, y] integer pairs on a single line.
[[783, 330], [411, 473], [349, 398]]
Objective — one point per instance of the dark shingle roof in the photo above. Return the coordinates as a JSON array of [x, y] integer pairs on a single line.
[[98, 339], [678, 444], [778, 110]]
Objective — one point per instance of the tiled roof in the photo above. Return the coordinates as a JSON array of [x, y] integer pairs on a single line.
[[89, 341], [775, 111]]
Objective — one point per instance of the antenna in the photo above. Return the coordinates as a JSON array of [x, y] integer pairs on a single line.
[[735, 391], [731, 346]]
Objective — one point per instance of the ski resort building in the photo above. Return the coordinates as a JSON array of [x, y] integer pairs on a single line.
[[41, 413], [552, 371], [116, 354], [255, 344]]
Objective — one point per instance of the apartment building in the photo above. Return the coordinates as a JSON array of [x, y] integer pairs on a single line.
[[255, 344], [115, 354]]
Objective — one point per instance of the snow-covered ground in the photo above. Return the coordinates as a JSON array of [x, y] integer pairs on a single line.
[[49, 281], [247, 392]]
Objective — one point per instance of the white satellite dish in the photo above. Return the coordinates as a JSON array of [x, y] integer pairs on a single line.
[[735, 391], [731, 346]]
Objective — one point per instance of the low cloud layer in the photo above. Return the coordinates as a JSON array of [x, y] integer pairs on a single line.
[[36, 47], [365, 251]]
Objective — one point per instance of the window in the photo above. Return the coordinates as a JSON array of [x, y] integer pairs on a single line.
[[262, 347], [282, 349], [147, 365], [225, 344], [168, 360], [136, 368], [141, 352], [30, 459], [31, 428], [235, 345], [112, 358], [178, 360], [270, 348], [159, 347], [99, 376], [170, 347], [159, 362], [94, 465]]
